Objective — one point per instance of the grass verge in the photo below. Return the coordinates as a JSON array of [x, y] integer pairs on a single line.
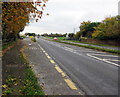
[[5, 46], [31, 86], [33, 39]]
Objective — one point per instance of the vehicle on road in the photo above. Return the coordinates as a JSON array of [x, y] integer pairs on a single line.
[[55, 38]]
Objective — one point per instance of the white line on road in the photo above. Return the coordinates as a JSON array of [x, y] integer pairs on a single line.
[[111, 60], [103, 60], [104, 55]]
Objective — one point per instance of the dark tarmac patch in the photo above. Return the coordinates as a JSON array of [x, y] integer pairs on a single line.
[[13, 67]]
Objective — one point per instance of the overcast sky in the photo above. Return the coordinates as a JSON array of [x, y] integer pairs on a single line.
[[66, 15]]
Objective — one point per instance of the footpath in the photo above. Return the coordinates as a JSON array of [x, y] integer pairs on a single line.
[[13, 70], [18, 79]]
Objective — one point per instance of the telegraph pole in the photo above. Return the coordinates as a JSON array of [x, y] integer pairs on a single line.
[[74, 30], [119, 8]]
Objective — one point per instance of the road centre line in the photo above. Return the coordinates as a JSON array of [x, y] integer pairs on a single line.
[[70, 49], [73, 51], [103, 60], [77, 53], [40, 46]]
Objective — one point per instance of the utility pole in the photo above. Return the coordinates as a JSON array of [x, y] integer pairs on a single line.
[[119, 8], [74, 30]]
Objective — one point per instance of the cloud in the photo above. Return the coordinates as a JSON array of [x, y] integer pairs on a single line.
[[65, 15]]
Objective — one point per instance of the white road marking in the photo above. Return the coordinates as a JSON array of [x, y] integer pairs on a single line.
[[105, 55], [77, 53], [41, 47], [69, 49], [91, 51], [112, 60], [103, 60]]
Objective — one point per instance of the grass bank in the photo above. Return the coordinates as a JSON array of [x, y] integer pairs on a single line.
[[33, 39]]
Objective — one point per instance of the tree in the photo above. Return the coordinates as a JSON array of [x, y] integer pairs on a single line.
[[71, 35], [77, 35], [16, 15], [87, 28], [82, 27], [108, 29]]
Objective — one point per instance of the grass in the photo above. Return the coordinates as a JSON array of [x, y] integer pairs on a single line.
[[23, 36], [5, 46], [59, 38], [33, 39], [31, 86]]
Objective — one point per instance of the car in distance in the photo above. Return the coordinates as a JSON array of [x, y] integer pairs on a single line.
[[55, 38]]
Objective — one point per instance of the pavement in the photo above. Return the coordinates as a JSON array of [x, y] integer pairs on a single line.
[[13, 66], [71, 70]]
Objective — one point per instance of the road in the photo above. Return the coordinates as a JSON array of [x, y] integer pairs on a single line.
[[94, 72]]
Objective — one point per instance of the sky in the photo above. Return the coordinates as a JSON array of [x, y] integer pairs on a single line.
[[66, 15]]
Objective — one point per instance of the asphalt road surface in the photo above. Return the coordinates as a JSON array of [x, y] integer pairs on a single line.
[[94, 72]]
